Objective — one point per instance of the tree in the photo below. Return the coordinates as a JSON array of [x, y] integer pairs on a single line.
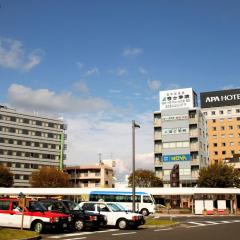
[[219, 175], [49, 177], [6, 177], [145, 178]]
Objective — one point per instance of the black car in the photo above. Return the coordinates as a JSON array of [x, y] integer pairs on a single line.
[[81, 219]]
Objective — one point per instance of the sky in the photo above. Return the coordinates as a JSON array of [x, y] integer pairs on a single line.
[[101, 64]]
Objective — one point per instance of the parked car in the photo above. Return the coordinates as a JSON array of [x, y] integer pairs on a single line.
[[116, 216], [36, 217], [81, 219]]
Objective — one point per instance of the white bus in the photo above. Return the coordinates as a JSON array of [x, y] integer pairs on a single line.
[[145, 203]]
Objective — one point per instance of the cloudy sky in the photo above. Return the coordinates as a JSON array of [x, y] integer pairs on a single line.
[[100, 64]]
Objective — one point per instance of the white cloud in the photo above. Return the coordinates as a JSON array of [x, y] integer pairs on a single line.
[[173, 86], [89, 135], [143, 71], [132, 52], [114, 91], [231, 86], [154, 85], [121, 72], [44, 100], [12, 55], [80, 65], [81, 87], [91, 72]]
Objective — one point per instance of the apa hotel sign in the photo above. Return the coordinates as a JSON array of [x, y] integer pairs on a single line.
[[220, 98]]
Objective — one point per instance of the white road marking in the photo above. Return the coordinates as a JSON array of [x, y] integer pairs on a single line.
[[224, 221], [80, 234], [213, 223], [236, 220], [127, 233], [75, 238], [162, 229], [197, 223]]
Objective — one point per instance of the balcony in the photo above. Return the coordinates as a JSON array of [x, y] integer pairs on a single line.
[[194, 147], [158, 149], [193, 120], [157, 163], [158, 135], [157, 122], [193, 133]]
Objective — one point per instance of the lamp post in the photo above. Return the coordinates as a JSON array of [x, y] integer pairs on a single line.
[[21, 197], [134, 125]]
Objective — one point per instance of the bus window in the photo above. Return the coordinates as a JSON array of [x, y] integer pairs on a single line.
[[147, 199]]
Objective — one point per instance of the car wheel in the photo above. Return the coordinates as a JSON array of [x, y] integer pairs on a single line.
[[38, 227], [122, 224], [79, 225], [144, 212]]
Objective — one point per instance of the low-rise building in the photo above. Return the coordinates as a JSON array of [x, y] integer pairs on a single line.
[[91, 176]]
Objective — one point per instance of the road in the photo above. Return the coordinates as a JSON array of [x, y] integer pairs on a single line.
[[212, 228]]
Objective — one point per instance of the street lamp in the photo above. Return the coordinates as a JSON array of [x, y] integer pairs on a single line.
[[134, 125], [21, 197]]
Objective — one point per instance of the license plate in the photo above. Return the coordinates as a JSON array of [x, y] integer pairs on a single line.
[[64, 225]]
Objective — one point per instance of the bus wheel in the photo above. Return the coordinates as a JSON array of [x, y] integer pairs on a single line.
[[144, 212], [122, 224]]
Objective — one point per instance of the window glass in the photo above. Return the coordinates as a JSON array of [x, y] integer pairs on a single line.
[[4, 205], [147, 199]]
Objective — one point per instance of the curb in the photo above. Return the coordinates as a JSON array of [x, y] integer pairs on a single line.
[[158, 226], [32, 238]]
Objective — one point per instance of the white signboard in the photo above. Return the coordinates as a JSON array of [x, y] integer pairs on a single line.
[[169, 131], [178, 98]]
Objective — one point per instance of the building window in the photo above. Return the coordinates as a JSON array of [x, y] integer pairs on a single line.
[[231, 143], [224, 144], [223, 152], [221, 112], [229, 119], [215, 153], [232, 152], [231, 135], [229, 111], [213, 113], [230, 127], [223, 136], [214, 120], [215, 144], [214, 136], [214, 128], [237, 110], [222, 128]]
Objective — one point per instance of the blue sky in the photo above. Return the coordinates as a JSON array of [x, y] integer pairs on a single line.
[[108, 60]]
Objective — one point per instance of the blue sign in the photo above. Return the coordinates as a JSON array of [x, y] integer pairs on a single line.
[[176, 158]]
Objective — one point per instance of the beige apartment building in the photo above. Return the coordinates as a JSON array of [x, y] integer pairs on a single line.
[[222, 110], [91, 176], [28, 142]]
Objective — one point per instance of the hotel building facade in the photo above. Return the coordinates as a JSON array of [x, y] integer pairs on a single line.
[[180, 137], [222, 110], [28, 142]]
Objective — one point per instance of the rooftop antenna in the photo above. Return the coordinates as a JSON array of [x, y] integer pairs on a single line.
[[100, 158]]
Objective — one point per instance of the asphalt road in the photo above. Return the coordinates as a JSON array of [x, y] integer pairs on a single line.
[[212, 228]]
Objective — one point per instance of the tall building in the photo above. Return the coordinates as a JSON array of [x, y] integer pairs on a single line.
[[91, 176], [180, 136], [28, 142], [222, 110]]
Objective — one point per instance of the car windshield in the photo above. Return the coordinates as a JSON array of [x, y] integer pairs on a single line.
[[72, 205], [114, 207], [55, 206], [36, 207]]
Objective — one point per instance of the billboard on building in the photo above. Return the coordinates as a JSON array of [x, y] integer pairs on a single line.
[[176, 158], [178, 98], [220, 98]]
